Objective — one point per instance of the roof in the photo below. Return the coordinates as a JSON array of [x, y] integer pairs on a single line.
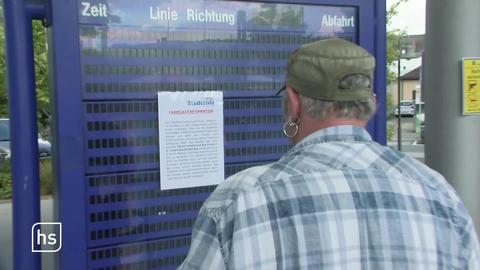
[[416, 42], [412, 45], [413, 75]]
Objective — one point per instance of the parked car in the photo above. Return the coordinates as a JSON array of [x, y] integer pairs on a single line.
[[407, 107], [44, 146]]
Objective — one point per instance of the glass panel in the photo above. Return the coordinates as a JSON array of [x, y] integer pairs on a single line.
[[135, 50]]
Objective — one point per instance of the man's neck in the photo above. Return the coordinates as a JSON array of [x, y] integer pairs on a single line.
[[310, 125]]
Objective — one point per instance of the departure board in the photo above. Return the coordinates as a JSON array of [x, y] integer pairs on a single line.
[[130, 51]]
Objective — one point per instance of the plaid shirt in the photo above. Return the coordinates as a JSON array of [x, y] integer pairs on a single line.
[[336, 200]]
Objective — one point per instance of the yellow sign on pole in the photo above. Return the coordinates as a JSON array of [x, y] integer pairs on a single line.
[[471, 85]]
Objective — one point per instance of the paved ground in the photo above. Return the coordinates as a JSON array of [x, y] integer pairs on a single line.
[[6, 247], [411, 141]]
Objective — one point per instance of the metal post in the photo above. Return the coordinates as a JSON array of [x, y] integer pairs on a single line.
[[452, 141], [23, 126], [408, 55], [399, 116]]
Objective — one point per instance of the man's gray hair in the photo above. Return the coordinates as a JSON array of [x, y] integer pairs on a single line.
[[319, 109]]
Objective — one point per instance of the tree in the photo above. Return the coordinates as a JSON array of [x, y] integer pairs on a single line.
[[393, 36], [393, 53], [41, 73], [3, 68]]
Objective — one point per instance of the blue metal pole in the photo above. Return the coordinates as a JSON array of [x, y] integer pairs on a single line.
[[23, 125], [380, 71]]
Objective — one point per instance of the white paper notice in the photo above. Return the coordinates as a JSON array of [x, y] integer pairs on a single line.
[[191, 139]]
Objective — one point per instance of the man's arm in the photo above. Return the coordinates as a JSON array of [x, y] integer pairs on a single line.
[[473, 260], [205, 249]]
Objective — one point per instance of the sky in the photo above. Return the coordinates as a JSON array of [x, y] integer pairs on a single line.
[[410, 17]]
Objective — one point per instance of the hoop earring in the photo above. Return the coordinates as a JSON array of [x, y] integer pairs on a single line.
[[291, 125]]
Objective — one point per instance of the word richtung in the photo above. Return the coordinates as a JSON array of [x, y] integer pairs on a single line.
[[192, 15]]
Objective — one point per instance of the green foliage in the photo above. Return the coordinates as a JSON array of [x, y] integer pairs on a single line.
[[41, 73], [393, 53], [390, 107], [5, 180], [390, 131], [43, 104], [46, 178], [393, 36], [3, 68]]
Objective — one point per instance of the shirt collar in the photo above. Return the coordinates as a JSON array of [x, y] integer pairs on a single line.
[[344, 133]]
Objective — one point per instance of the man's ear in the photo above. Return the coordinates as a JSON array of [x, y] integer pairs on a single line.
[[293, 102]]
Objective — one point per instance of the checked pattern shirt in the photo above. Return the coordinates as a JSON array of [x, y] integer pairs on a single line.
[[336, 200]]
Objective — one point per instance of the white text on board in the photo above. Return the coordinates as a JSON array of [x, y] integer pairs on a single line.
[[89, 10]]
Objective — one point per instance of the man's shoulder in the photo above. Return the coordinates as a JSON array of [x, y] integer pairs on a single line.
[[244, 181], [423, 175]]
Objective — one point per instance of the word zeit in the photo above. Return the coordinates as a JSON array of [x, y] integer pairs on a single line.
[[193, 15], [89, 10]]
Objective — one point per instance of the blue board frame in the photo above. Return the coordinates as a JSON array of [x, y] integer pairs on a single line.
[[70, 147]]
